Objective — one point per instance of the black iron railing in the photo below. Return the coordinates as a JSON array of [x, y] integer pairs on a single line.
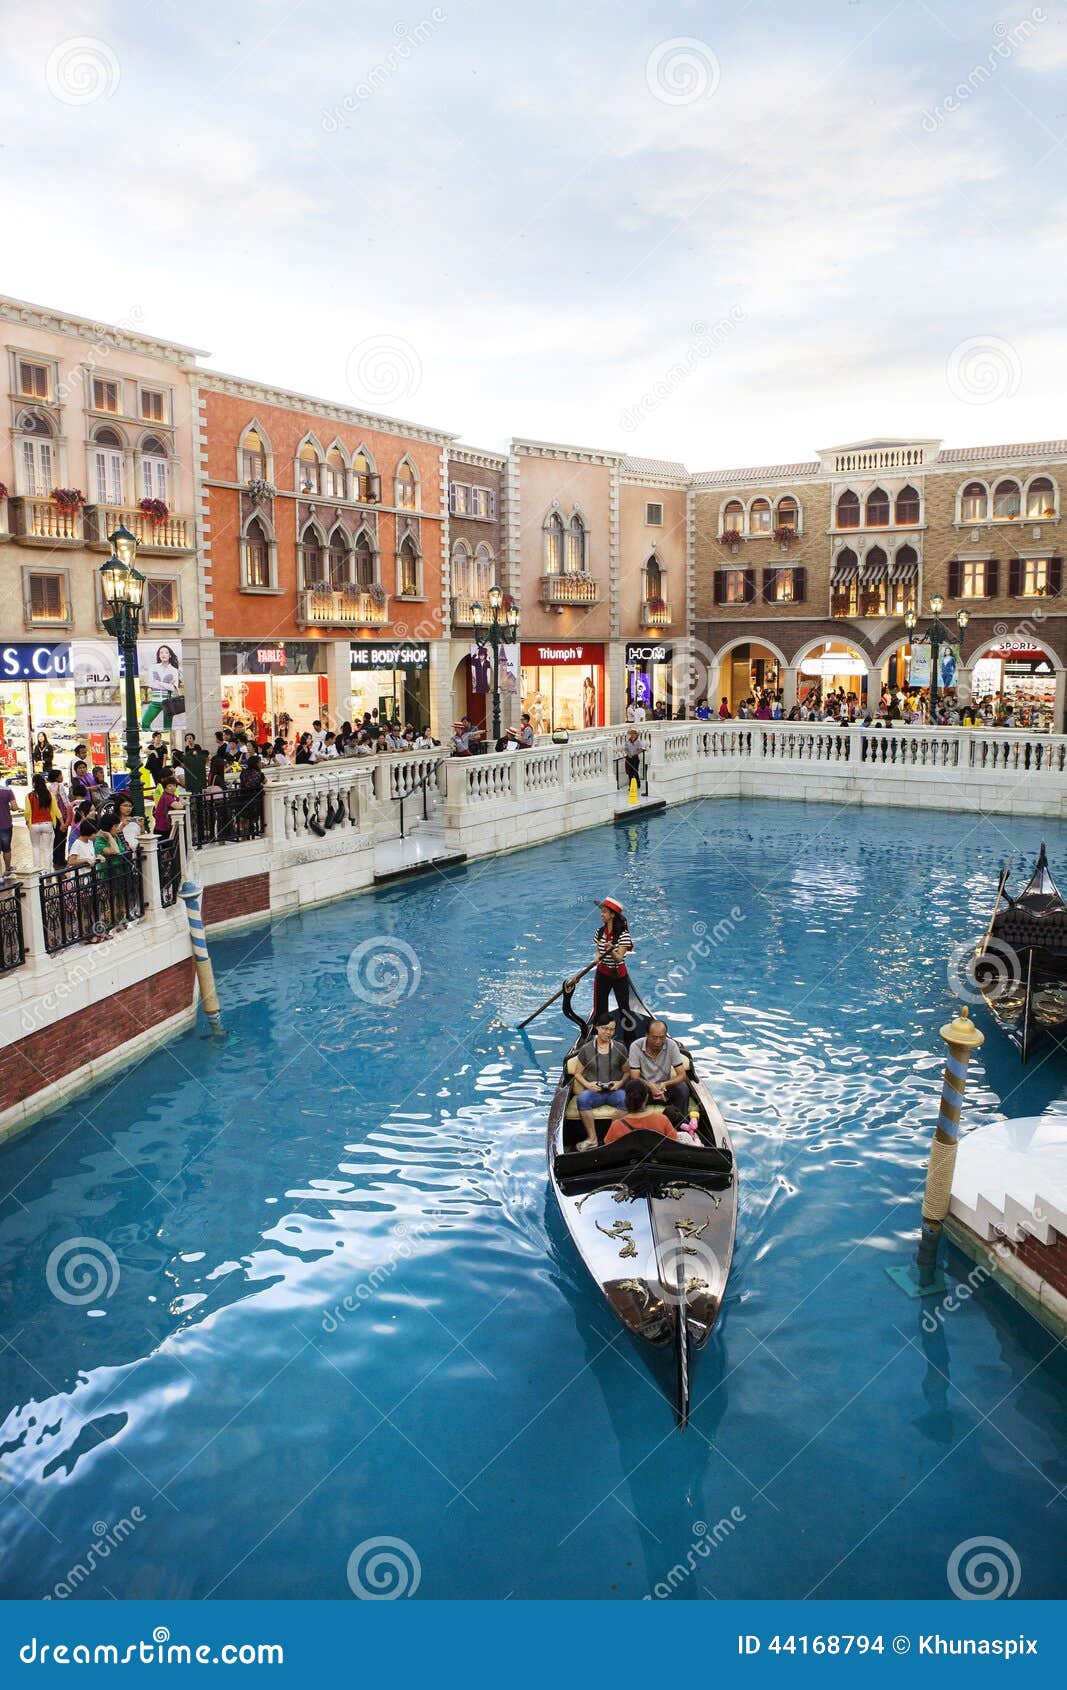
[[225, 818], [12, 943], [417, 792], [89, 900], [170, 870]]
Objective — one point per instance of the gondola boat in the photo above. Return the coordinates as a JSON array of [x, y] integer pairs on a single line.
[[652, 1219], [1020, 966]]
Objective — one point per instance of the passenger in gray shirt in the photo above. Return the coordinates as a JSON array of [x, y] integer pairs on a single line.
[[657, 1060]]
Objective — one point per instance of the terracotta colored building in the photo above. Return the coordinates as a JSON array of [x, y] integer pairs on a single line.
[[326, 561]]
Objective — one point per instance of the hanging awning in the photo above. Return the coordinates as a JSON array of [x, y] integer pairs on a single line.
[[904, 569], [873, 571], [844, 571]]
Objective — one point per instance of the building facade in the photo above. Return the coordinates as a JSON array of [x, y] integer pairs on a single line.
[[602, 550], [477, 483], [99, 433], [806, 572], [326, 559]]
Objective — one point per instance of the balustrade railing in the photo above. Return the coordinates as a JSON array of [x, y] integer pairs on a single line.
[[224, 817]]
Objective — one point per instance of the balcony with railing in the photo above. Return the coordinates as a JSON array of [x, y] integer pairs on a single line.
[[558, 592], [41, 522], [341, 607], [656, 613], [172, 533]]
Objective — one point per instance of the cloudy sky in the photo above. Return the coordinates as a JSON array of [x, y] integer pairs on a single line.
[[726, 234]]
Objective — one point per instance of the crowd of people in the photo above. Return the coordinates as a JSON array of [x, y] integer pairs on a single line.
[[896, 706]]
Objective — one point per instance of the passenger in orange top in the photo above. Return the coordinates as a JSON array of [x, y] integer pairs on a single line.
[[638, 1116]]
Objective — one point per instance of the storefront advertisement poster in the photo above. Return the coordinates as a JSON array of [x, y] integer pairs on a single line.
[[919, 666], [162, 692], [96, 669], [481, 660]]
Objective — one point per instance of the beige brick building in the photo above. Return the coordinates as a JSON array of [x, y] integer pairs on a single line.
[[804, 572]]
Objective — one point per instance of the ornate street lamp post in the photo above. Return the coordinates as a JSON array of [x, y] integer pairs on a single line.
[[498, 628], [938, 635], [123, 587]]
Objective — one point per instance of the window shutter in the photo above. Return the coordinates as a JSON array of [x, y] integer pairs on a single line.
[[768, 585], [992, 578], [750, 585], [955, 570], [1015, 576], [719, 584], [799, 583], [1055, 576]]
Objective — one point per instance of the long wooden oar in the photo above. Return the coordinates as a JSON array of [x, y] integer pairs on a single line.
[[555, 995]]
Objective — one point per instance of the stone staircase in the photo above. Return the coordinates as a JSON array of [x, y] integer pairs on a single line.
[[1011, 1180]]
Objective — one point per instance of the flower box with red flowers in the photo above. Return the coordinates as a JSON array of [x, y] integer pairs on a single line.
[[785, 536], [732, 536], [155, 510], [68, 498]]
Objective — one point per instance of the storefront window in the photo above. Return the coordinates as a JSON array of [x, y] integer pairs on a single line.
[[563, 686]]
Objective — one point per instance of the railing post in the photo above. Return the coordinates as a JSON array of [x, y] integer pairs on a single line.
[[32, 914], [153, 889]]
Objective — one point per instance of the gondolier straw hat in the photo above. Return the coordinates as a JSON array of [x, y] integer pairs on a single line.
[[610, 904]]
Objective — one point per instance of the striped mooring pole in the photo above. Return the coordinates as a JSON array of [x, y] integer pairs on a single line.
[[191, 893], [962, 1038]]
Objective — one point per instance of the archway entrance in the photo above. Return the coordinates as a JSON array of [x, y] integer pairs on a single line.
[[833, 667], [1017, 679], [747, 670]]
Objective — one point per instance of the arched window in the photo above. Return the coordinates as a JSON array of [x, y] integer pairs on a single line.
[[312, 568], [484, 570], [733, 517], [653, 579], [308, 471], [340, 573], [365, 481], [554, 545], [576, 546], [878, 508], [1040, 498], [1006, 503], [407, 486], [788, 514], [109, 468], [35, 455], [907, 507], [848, 510], [366, 568], [463, 571], [974, 503], [257, 556], [409, 567], [253, 456], [759, 517], [336, 475], [155, 473]]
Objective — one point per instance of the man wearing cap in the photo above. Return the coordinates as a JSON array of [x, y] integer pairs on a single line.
[[601, 1070]]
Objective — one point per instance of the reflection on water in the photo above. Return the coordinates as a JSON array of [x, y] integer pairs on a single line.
[[345, 1307]]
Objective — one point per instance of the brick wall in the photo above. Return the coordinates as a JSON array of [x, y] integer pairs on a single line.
[[1048, 1260], [233, 898], [51, 1053], [811, 551]]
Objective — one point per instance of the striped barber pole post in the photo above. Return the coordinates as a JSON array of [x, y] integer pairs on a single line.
[[962, 1038], [191, 895]]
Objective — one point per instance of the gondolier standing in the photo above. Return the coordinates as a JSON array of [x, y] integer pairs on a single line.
[[613, 942]]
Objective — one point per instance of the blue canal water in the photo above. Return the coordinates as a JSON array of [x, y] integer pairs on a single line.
[[223, 1425]]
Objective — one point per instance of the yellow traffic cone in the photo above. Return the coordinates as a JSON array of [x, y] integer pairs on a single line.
[[633, 790]]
